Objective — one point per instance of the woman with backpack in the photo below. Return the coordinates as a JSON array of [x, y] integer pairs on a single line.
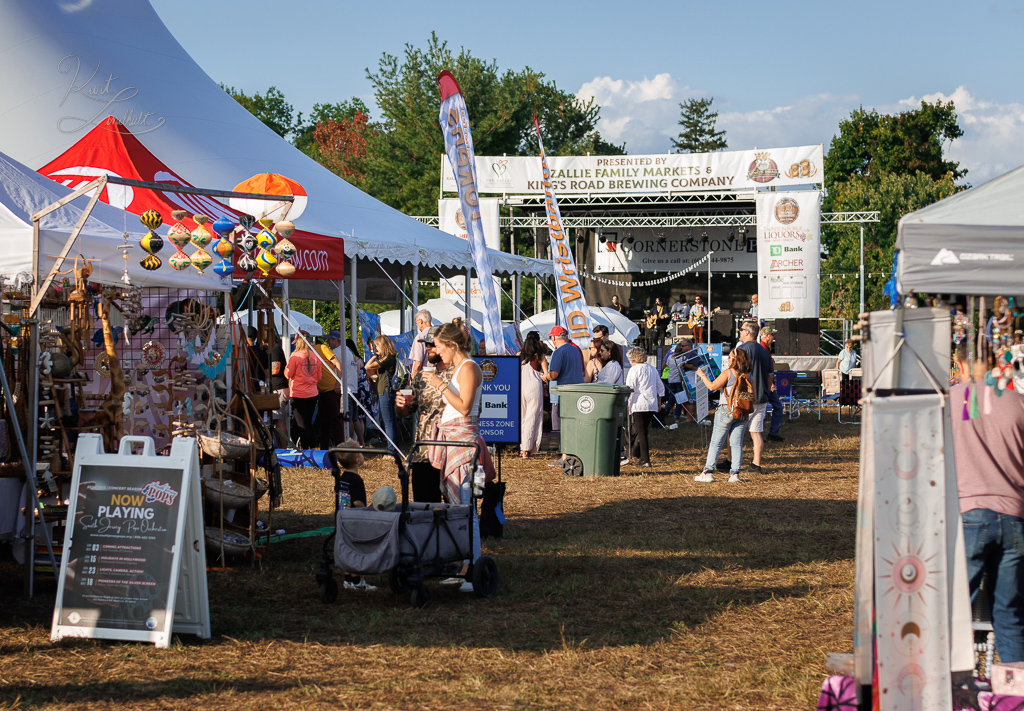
[[736, 403], [383, 366]]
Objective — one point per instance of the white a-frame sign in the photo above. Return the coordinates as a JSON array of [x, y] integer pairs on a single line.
[[134, 548]]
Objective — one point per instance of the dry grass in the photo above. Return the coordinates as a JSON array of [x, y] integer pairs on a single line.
[[638, 592]]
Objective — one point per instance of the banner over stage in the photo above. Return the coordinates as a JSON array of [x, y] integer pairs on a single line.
[[789, 254], [663, 173]]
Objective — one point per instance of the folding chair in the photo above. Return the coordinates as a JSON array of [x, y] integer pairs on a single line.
[[849, 396]]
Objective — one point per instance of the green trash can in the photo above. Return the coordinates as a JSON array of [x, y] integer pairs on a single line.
[[592, 415]]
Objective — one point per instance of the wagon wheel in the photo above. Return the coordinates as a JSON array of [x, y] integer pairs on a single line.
[[398, 581], [572, 465], [420, 598], [485, 577]]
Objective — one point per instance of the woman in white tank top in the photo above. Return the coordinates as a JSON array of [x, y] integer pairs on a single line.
[[460, 419]]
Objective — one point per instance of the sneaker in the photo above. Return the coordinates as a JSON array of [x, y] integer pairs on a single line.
[[755, 469], [452, 581], [734, 478], [776, 438], [623, 462], [361, 585], [724, 466], [705, 477], [466, 587], [646, 465]]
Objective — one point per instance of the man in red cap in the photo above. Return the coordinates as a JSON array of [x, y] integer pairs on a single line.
[[565, 368]]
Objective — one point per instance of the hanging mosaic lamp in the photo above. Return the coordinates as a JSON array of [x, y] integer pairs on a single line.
[[246, 243], [151, 242], [224, 268], [266, 239], [266, 223], [179, 260], [285, 249], [265, 261], [223, 248], [151, 219], [247, 222], [285, 269], [247, 264], [201, 259], [284, 228], [179, 235], [151, 262]]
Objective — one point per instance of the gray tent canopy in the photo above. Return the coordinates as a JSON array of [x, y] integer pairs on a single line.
[[969, 243]]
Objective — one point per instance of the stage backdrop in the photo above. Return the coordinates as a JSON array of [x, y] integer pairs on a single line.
[[788, 254], [675, 172], [672, 249], [450, 220]]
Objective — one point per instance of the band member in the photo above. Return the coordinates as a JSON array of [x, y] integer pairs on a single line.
[[698, 315], [616, 305], [661, 318]]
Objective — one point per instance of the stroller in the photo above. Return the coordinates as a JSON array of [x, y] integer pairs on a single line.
[[414, 542]]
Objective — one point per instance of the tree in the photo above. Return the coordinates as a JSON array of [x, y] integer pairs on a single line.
[[340, 112], [270, 108], [890, 164], [698, 134]]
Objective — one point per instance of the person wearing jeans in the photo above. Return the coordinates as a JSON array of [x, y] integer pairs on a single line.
[[726, 427], [989, 454]]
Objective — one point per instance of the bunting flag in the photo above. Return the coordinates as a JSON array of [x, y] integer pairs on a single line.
[[458, 145], [572, 304]]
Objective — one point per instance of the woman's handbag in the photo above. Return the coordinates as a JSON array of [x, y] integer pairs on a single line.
[[741, 398]]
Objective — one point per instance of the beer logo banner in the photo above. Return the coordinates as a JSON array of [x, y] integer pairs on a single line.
[[572, 303], [788, 254], [458, 144]]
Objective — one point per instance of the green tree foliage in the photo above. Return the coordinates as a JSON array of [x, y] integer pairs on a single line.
[[271, 108], [698, 134], [402, 163], [890, 164]]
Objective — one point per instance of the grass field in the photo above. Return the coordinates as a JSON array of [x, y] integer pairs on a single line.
[[638, 592]]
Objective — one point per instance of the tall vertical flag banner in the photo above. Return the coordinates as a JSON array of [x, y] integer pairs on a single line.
[[458, 144], [789, 254], [572, 304]]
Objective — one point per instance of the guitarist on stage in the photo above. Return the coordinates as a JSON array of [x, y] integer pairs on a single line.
[[698, 315], [659, 319]]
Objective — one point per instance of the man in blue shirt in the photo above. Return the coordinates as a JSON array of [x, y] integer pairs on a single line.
[[565, 368], [761, 376]]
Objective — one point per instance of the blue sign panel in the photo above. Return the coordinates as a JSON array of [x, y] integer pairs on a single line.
[[499, 399]]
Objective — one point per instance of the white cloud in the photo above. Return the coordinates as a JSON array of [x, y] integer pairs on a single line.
[[644, 114]]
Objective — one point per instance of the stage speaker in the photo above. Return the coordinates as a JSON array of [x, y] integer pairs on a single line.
[[796, 336], [721, 328]]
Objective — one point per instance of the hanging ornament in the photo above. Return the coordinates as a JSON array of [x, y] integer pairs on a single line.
[[200, 237], [246, 243], [285, 249], [151, 219], [265, 261], [153, 354], [223, 248], [246, 222], [223, 226], [285, 269], [225, 268], [266, 223], [247, 264], [179, 235], [151, 262], [266, 239], [179, 260], [201, 259], [152, 242], [284, 228]]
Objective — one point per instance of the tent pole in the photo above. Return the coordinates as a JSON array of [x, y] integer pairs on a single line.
[[415, 290], [469, 295], [707, 325], [342, 348], [400, 302], [354, 318], [861, 268]]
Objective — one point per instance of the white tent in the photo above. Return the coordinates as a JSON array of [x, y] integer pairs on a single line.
[[441, 311], [297, 320], [24, 192], [620, 329], [66, 66]]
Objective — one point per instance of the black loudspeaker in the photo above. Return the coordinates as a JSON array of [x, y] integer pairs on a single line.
[[721, 328], [796, 336]]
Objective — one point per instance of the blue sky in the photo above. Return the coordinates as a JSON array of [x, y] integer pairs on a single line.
[[781, 73]]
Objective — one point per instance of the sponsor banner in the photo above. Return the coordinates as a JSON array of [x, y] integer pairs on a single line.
[[450, 220], [458, 144], [672, 173], [673, 249], [572, 303], [499, 399], [788, 254]]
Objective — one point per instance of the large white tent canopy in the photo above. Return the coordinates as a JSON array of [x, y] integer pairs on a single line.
[[24, 192], [969, 243], [620, 329], [66, 66]]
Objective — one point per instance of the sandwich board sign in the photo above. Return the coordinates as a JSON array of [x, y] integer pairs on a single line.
[[134, 563]]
